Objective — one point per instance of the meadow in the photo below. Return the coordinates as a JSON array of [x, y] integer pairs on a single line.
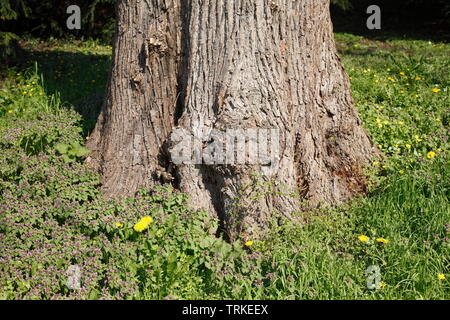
[[153, 246]]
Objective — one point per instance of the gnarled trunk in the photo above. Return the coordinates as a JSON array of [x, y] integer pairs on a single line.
[[205, 68]]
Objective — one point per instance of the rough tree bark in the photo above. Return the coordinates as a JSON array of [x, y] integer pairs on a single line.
[[222, 64]]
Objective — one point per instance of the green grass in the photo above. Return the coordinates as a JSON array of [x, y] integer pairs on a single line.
[[401, 89]]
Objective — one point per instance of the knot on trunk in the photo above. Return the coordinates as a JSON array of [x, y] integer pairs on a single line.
[[157, 45]]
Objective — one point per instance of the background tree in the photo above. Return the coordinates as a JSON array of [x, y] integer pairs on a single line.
[[230, 64]]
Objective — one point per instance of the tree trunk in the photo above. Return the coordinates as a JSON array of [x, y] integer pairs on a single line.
[[203, 68]]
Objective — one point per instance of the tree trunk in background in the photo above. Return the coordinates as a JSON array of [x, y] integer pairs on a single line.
[[241, 64]]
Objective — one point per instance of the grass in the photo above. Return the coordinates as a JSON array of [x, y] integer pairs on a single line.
[[401, 89]]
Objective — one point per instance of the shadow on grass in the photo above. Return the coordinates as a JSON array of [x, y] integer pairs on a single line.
[[79, 79], [392, 27]]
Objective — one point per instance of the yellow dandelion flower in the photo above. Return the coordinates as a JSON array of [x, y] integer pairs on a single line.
[[418, 78], [147, 219], [140, 226], [248, 243], [382, 240], [363, 238], [431, 155], [383, 284], [436, 90], [408, 146], [375, 163], [10, 111], [118, 224], [402, 73], [441, 276]]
